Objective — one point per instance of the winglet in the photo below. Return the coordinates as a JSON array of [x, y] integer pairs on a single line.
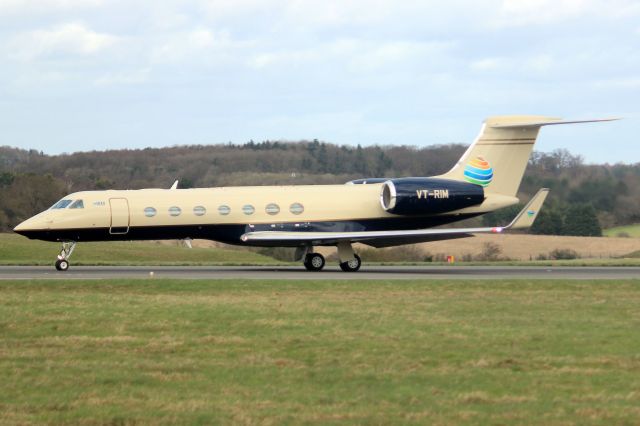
[[528, 214], [175, 185]]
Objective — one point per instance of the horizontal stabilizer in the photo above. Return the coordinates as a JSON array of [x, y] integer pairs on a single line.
[[549, 122]]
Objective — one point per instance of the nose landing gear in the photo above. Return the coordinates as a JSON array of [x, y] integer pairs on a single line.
[[62, 263]]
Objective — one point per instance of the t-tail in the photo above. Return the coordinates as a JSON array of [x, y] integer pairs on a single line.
[[498, 158]]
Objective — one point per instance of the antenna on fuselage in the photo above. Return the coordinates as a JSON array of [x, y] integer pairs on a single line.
[[175, 185]]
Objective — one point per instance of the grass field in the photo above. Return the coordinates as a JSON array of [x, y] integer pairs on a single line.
[[18, 250], [629, 230], [202, 352], [526, 247]]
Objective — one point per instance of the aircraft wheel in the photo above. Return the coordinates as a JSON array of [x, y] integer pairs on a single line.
[[314, 262], [62, 265], [352, 265]]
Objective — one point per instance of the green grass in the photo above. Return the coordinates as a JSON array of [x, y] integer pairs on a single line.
[[635, 255], [628, 230], [18, 250], [268, 352]]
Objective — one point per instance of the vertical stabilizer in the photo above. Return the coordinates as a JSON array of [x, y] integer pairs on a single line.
[[498, 158]]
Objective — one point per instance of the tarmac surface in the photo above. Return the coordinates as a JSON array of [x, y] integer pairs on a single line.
[[329, 273]]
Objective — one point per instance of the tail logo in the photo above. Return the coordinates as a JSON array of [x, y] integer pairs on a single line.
[[478, 171]]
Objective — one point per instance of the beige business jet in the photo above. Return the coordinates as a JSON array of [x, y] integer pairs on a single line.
[[379, 212]]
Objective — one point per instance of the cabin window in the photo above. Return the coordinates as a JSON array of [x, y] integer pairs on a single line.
[[224, 210], [78, 204], [248, 209], [272, 209], [175, 211], [149, 212], [296, 208], [199, 210], [61, 204]]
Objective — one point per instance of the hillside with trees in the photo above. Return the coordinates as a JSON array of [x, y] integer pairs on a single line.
[[584, 198]]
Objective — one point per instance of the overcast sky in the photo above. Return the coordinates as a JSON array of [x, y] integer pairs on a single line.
[[79, 75]]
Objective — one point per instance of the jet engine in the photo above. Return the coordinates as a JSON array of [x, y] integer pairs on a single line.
[[419, 196]]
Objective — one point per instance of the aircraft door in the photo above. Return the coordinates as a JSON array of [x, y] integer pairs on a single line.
[[119, 216]]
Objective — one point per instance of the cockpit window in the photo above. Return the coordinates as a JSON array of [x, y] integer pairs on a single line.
[[61, 204], [78, 204]]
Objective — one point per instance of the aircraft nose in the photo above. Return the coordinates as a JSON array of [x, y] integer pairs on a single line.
[[32, 225], [24, 227]]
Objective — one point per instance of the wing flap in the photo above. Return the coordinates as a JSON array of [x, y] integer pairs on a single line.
[[398, 241]]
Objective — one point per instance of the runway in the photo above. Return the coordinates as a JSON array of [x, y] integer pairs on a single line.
[[329, 273]]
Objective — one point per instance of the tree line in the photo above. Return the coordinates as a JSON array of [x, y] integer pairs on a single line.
[[30, 181]]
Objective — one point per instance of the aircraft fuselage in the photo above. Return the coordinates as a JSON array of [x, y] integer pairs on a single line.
[[224, 214]]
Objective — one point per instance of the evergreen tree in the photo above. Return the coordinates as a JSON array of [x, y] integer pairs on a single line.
[[550, 221], [501, 217], [359, 164], [581, 220]]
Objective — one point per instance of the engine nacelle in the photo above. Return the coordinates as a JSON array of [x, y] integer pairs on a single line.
[[419, 196]]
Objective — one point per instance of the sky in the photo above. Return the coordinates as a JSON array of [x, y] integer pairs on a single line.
[[80, 75]]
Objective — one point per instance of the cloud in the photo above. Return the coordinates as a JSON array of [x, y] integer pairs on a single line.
[[357, 55], [71, 38], [524, 12], [201, 44], [631, 83], [330, 13], [377, 56], [124, 77], [307, 17], [32, 7], [533, 63], [514, 13], [225, 9], [539, 63], [488, 64], [407, 64]]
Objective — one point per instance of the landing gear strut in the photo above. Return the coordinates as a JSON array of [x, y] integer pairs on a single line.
[[62, 264], [349, 261], [314, 261]]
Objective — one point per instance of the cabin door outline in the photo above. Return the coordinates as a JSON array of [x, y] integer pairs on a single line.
[[120, 217]]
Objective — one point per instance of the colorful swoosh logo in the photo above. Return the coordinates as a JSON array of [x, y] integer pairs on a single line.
[[478, 171]]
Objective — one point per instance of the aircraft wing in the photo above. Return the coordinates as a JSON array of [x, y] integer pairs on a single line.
[[524, 219]]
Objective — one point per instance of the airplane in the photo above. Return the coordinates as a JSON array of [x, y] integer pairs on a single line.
[[379, 212]]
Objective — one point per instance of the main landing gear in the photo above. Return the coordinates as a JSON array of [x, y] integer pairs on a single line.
[[351, 265], [314, 262], [349, 261], [62, 264]]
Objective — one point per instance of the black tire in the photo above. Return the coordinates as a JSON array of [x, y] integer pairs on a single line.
[[314, 262], [352, 265], [62, 265]]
